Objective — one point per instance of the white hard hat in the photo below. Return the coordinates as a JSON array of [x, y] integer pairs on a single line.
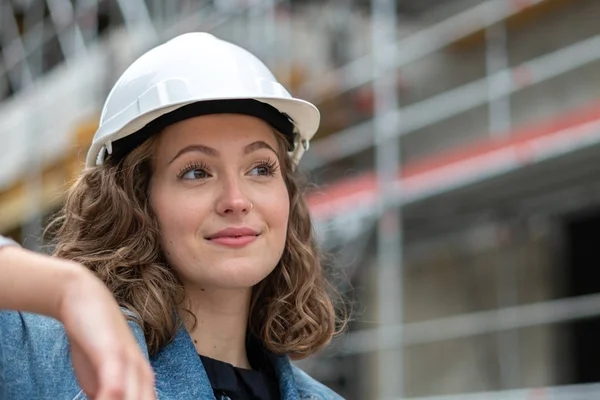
[[196, 67]]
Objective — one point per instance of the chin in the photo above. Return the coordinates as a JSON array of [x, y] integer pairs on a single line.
[[241, 276], [235, 282]]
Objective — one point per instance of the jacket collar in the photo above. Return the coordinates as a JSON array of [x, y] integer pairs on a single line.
[[180, 373]]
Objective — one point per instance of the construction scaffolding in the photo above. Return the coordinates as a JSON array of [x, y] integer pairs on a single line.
[[349, 216]]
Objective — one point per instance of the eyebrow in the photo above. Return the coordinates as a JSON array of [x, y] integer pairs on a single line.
[[209, 151], [259, 144]]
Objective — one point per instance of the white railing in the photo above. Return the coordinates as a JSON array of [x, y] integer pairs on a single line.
[[469, 325], [419, 45], [455, 101]]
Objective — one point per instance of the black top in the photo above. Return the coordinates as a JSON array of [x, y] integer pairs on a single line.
[[259, 383]]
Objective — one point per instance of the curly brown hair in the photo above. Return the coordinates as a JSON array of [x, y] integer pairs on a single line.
[[107, 224]]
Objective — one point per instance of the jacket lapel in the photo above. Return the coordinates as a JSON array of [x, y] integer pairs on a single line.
[[179, 371], [180, 374], [285, 375]]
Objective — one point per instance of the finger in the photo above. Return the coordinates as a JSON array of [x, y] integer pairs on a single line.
[[147, 389], [132, 388], [112, 392], [112, 381]]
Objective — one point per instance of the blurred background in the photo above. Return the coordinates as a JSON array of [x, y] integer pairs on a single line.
[[456, 176]]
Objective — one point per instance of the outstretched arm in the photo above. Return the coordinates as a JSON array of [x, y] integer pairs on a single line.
[[34, 282], [107, 359]]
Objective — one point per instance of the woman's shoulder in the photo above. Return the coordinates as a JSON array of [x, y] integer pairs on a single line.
[[29, 340], [35, 357], [310, 388], [18, 327]]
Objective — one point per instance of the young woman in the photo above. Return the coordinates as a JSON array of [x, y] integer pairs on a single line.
[[190, 215]]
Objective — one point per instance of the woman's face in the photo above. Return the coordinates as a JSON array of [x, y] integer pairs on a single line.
[[220, 199]]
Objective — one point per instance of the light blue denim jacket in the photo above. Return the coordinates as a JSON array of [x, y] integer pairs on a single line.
[[35, 364]]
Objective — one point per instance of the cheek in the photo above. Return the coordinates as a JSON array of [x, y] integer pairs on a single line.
[[278, 210], [163, 212], [178, 215]]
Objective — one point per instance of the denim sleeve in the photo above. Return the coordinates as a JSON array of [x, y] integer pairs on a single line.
[[4, 241], [11, 338], [35, 359], [2, 363], [137, 331]]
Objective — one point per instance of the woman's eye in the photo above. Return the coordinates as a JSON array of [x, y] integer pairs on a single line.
[[195, 173], [264, 168], [261, 170]]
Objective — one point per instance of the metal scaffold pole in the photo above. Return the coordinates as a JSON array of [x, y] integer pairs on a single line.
[[24, 79], [498, 79], [270, 18], [390, 372], [499, 125]]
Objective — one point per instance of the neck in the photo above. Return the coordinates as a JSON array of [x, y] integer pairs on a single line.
[[222, 319]]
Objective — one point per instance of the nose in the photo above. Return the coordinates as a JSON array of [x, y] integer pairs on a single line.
[[232, 199]]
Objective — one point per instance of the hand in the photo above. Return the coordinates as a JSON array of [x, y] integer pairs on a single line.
[[107, 359]]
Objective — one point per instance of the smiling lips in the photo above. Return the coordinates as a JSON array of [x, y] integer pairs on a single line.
[[234, 237]]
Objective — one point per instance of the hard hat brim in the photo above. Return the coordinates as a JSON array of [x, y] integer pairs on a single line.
[[306, 118]]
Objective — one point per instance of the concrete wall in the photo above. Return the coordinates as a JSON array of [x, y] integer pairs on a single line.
[[464, 274]]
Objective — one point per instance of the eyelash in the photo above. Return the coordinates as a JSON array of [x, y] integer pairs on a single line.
[[269, 163], [191, 166]]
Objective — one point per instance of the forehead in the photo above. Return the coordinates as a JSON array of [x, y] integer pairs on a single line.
[[224, 132]]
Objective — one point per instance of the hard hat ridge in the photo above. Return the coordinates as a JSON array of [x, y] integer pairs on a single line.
[[197, 68]]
